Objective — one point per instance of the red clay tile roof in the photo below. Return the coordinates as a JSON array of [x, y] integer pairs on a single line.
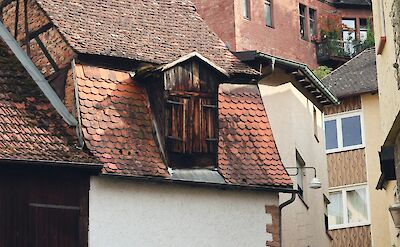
[[116, 123], [156, 31], [30, 129], [247, 153]]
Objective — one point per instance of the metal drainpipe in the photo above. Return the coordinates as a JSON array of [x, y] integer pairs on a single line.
[[79, 133], [280, 214]]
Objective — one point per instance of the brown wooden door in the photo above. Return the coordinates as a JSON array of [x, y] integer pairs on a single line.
[[43, 209]]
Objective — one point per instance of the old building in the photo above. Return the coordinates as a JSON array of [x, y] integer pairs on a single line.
[[386, 16], [353, 139], [153, 101], [311, 32]]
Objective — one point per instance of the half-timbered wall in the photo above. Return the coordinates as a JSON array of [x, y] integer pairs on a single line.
[[30, 25]]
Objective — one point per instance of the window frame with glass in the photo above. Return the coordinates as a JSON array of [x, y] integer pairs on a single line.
[[268, 13], [303, 21], [345, 209], [340, 144], [246, 9], [312, 16]]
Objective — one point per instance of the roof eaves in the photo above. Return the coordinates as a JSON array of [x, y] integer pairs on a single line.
[[304, 68]]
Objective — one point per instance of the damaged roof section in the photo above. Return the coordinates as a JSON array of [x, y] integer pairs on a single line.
[[155, 31], [30, 128]]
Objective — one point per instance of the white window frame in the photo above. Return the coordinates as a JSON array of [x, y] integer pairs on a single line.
[[338, 117], [343, 190]]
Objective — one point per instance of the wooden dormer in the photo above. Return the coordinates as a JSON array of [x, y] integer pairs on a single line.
[[184, 102]]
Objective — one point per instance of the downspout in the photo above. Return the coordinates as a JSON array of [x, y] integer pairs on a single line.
[[291, 200], [37, 76]]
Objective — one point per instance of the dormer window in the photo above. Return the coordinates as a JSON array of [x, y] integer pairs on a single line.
[[188, 114]]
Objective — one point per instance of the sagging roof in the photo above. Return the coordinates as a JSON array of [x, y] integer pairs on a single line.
[[118, 129], [355, 77], [30, 128], [302, 73], [155, 31]]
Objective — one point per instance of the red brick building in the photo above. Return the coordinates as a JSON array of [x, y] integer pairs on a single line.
[[289, 29]]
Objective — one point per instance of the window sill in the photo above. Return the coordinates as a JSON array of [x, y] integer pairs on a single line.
[[272, 27], [338, 227], [337, 150]]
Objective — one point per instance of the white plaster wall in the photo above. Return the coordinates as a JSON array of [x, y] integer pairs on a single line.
[[291, 118], [130, 213]]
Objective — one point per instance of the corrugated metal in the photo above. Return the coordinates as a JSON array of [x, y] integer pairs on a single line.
[[197, 175]]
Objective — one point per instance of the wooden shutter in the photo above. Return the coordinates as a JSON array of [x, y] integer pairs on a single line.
[[209, 125], [176, 118]]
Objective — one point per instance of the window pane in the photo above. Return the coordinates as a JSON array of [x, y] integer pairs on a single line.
[[302, 10], [335, 209], [357, 205], [363, 36], [349, 24], [331, 134], [246, 8], [313, 26], [363, 24], [267, 13], [351, 130]]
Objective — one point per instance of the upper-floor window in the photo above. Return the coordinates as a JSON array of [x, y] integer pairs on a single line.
[[303, 29], [268, 12], [313, 21], [343, 132], [349, 207], [246, 9], [349, 35], [300, 174], [363, 29]]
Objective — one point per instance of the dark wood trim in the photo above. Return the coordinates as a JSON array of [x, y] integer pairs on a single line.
[[47, 54], [381, 45], [26, 23], [16, 19], [5, 3], [40, 30]]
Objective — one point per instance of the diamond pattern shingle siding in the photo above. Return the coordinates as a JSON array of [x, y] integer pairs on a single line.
[[247, 153]]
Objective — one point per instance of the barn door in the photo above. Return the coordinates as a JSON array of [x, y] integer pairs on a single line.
[[53, 225]]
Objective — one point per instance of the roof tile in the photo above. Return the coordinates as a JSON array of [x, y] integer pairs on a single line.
[[251, 157]]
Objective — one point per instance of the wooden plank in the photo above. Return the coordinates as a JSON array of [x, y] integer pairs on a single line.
[[196, 76], [16, 20], [40, 30]]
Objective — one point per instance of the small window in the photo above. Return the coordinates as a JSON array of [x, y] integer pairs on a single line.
[[349, 35], [348, 208], [363, 29], [268, 13], [246, 9], [313, 22], [302, 11], [315, 119], [343, 132], [300, 174]]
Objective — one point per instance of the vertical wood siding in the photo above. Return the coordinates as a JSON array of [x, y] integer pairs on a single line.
[[347, 104]]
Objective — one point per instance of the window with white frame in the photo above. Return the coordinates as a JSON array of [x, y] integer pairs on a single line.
[[344, 132], [349, 207]]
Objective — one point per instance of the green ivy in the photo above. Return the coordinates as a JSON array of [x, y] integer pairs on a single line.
[[322, 71]]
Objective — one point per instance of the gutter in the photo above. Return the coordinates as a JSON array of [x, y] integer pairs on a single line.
[[304, 68], [223, 186], [92, 167], [37, 76]]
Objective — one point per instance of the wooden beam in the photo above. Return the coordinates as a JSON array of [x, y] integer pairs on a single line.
[[16, 20], [47, 54], [26, 23], [40, 30]]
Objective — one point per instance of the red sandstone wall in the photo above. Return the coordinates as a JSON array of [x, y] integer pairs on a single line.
[[219, 16]]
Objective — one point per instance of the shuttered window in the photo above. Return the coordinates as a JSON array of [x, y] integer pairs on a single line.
[[191, 124]]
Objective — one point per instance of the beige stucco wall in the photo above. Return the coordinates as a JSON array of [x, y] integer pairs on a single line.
[[389, 94], [373, 140], [131, 213], [291, 118]]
